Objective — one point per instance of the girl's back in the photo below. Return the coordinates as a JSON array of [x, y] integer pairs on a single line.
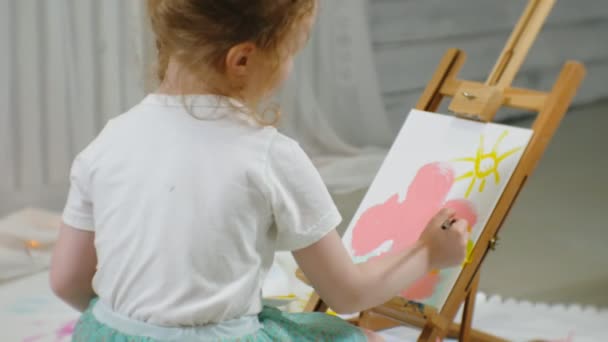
[[182, 214]]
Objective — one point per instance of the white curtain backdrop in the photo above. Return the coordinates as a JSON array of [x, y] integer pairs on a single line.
[[69, 66], [332, 103], [73, 64]]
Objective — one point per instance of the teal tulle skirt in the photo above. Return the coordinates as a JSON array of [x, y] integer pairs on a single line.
[[276, 326]]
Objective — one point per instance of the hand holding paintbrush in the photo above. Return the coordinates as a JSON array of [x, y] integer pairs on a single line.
[[446, 239]]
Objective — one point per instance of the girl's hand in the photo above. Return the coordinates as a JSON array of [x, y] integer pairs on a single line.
[[446, 247], [348, 287]]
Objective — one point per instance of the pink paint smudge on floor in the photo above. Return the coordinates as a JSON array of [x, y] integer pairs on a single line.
[[33, 338], [64, 333], [66, 330], [403, 222]]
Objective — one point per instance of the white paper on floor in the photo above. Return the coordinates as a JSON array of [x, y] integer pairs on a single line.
[[36, 226], [29, 312]]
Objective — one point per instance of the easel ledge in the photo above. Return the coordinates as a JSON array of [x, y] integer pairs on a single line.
[[481, 101]]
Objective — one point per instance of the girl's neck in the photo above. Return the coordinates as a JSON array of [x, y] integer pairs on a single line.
[[178, 81]]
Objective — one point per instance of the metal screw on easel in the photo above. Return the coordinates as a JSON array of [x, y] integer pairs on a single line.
[[494, 243], [469, 96]]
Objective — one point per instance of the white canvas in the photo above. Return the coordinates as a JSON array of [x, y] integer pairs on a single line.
[[432, 164]]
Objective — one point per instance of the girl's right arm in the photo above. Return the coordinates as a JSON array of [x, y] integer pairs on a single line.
[[347, 287]]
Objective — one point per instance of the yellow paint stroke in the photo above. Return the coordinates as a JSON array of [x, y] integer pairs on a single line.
[[470, 246], [465, 176], [492, 158], [289, 296]]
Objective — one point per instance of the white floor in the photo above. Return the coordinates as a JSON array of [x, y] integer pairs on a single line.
[[30, 312]]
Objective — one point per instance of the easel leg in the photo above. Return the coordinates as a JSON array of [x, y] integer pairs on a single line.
[[464, 331], [430, 334], [315, 304], [467, 315], [375, 322]]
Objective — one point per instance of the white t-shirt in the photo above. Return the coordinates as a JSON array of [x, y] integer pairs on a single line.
[[188, 212]]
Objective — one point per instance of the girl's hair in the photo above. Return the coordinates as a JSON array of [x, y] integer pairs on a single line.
[[199, 33]]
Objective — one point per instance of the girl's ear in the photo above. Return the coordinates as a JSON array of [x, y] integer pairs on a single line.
[[238, 59]]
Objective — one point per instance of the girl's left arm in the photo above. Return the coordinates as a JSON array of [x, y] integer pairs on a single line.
[[73, 266]]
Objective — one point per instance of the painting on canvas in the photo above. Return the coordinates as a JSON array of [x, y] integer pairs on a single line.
[[436, 161]]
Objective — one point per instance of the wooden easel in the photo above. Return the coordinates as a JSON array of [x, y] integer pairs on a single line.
[[481, 101]]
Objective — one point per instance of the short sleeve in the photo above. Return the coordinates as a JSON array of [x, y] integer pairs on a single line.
[[78, 211], [302, 207]]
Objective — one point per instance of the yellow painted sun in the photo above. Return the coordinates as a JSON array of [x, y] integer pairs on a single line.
[[485, 164]]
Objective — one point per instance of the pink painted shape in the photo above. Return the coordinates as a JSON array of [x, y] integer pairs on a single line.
[[403, 222], [376, 226], [423, 287]]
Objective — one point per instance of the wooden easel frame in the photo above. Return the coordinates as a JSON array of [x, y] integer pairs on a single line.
[[481, 101]]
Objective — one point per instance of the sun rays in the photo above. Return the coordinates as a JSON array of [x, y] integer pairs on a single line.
[[485, 164]]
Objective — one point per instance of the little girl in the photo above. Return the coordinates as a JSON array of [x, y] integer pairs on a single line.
[[176, 209]]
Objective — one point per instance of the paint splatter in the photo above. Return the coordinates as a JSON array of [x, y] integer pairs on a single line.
[[402, 222], [66, 330], [63, 333], [33, 338]]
